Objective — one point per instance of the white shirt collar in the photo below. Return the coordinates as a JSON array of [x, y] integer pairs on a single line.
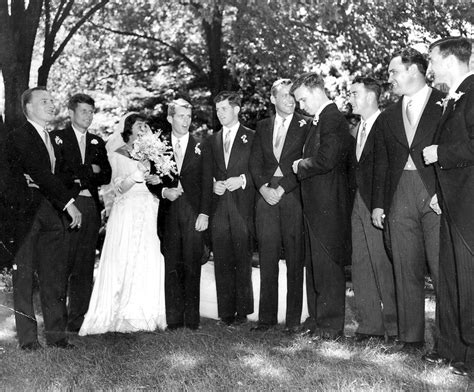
[[279, 119], [39, 128], [419, 97], [78, 133], [183, 141], [234, 128], [370, 121], [458, 82]]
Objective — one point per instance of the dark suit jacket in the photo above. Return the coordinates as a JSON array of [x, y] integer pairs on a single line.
[[196, 183], [323, 172], [392, 150], [70, 166], [27, 154], [263, 162], [363, 170], [238, 164], [455, 169]]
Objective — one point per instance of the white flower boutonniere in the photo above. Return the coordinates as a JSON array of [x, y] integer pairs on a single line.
[[302, 122], [316, 120], [197, 149], [455, 96], [244, 139], [58, 140], [94, 141]]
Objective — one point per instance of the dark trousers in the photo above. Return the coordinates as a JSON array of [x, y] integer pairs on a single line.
[[413, 230], [281, 224], [232, 247], [455, 296], [81, 260], [183, 249], [325, 287], [44, 251], [372, 275]]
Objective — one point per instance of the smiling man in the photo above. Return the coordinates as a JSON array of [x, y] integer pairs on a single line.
[[279, 220], [323, 173], [403, 189]]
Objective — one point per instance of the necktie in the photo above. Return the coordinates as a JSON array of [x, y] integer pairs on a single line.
[[227, 142], [178, 155], [49, 147], [362, 136], [82, 147], [410, 112], [278, 146]]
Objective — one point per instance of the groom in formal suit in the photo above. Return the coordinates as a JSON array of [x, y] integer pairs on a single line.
[[183, 217], [83, 167], [41, 225], [279, 218], [403, 188], [453, 155], [232, 218], [372, 271], [327, 201]]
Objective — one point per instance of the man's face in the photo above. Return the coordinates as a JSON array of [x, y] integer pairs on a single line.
[[359, 98], [180, 121], [399, 76], [309, 99], [41, 107], [438, 66], [228, 115], [81, 116], [283, 101]]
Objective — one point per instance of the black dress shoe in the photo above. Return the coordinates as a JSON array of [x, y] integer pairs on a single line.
[[291, 330], [63, 343], [459, 369], [326, 334], [226, 321], [260, 328], [239, 320], [434, 358], [193, 327], [33, 346], [175, 326]]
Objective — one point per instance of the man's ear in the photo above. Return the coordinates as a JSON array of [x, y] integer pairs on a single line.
[[272, 99], [170, 119]]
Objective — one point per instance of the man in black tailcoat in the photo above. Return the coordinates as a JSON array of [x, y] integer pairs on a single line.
[[83, 167]]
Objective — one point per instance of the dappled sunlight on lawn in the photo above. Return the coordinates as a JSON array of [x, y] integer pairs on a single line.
[[182, 360], [335, 350], [7, 329], [264, 367]]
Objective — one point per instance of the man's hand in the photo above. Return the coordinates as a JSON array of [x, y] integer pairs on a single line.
[[96, 168], [378, 217], [270, 195], [219, 187], [172, 193], [233, 183], [202, 222], [430, 154], [153, 179], [75, 215]]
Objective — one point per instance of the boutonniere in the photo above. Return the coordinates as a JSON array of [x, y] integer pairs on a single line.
[[244, 139], [302, 122], [316, 120], [94, 141], [455, 96], [197, 149], [58, 140]]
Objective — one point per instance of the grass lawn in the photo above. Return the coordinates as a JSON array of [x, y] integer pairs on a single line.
[[216, 358]]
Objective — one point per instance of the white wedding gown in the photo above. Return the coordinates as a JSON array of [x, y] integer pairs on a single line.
[[128, 293]]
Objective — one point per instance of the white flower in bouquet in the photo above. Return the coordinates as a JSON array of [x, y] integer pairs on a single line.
[[150, 146]]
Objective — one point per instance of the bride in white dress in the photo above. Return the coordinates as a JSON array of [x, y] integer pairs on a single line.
[[128, 293]]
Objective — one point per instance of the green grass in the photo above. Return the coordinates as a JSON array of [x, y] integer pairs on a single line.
[[216, 358]]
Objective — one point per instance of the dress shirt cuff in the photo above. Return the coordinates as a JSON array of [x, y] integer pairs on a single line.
[[162, 192], [68, 204], [244, 181]]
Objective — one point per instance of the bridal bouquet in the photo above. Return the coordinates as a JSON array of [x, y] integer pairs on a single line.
[[149, 146]]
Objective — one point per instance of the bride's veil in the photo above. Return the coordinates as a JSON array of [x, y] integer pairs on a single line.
[[114, 142]]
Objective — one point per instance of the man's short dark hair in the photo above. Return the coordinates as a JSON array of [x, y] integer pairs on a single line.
[[411, 56], [232, 96], [370, 84], [459, 47], [278, 84], [76, 99], [128, 125], [27, 94], [310, 80]]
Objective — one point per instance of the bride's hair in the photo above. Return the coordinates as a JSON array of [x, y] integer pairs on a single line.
[[128, 124]]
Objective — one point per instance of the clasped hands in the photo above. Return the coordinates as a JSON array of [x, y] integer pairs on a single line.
[[270, 195], [231, 184]]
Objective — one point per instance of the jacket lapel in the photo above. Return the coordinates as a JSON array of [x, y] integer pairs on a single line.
[[291, 138], [237, 148], [188, 155], [397, 127], [220, 150], [426, 123]]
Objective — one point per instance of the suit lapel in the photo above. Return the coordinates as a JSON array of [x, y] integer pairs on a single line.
[[368, 145], [38, 141], [237, 148], [291, 138], [425, 125], [188, 155], [268, 135], [75, 150], [220, 150], [397, 127]]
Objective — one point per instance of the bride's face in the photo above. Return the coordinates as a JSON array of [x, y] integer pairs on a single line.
[[138, 128]]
